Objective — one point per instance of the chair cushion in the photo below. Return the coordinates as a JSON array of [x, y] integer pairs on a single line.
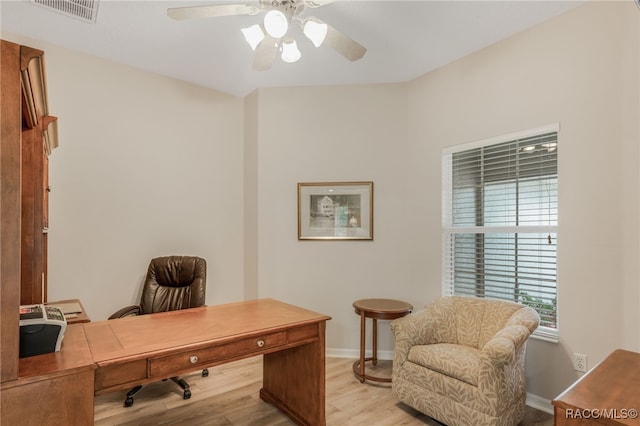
[[457, 361]]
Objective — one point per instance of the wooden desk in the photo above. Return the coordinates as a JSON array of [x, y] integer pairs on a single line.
[[61, 382], [54, 388], [147, 348], [609, 394], [136, 350]]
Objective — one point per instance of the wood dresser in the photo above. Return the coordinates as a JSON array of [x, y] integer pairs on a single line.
[[609, 394], [106, 356]]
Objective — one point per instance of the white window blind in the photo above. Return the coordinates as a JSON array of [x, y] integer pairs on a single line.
[[500, 219]]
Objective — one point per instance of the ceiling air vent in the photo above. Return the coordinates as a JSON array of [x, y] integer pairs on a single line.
[[84, 10]]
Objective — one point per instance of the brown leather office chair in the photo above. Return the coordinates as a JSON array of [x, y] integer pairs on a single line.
[[172, 283]]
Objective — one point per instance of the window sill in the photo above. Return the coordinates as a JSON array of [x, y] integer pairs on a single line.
[[546, 334]]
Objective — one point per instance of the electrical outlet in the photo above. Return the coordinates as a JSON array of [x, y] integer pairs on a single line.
[[580, 362]]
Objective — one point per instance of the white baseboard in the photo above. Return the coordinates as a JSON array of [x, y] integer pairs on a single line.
[[355, 353], [533, 401], [539, 403]]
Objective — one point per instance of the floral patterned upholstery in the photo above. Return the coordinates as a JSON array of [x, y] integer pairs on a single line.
[[461, 360]]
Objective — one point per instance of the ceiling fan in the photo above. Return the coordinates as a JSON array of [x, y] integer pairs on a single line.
[[274, 34]]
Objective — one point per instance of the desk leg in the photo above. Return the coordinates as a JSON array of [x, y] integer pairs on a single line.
[[294, 381]]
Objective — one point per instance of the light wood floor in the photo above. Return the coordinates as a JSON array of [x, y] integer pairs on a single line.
[[229, 396]]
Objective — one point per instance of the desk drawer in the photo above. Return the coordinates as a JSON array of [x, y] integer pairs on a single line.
[[117, 374], [199, 358]]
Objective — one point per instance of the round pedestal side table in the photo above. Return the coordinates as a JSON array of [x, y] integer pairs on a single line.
[[384, 309]]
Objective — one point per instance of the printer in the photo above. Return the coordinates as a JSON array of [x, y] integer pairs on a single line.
[[41, 329]]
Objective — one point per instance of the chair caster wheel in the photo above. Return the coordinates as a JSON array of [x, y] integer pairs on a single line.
[[187, 394], [128, 402], [205, 373]]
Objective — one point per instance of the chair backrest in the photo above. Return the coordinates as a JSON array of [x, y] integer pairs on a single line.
[[473, 321], [173, 283], [478, 320]]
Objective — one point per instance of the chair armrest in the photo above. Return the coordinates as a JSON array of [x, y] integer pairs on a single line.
[[127, 311], [413, 330], [501, 349], [405, 331]]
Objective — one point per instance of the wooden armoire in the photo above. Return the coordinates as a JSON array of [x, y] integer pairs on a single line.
[[29, 134], [33, 389]]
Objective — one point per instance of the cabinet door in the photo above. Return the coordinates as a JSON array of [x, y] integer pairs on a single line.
[[34, 204], [45, 225], [32, 250]]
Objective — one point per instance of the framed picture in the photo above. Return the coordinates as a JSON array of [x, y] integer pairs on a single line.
[[335, 211]]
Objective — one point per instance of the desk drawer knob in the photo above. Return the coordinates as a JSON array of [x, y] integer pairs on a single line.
[[260, 343], [193, 359]]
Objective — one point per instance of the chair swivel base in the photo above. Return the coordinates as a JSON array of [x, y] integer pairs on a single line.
[[128, 402]]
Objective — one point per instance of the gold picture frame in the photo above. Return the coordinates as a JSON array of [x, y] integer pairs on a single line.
[[335, 210]]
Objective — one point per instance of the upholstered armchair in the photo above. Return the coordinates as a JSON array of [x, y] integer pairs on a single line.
[[172, 283], [461, 360]]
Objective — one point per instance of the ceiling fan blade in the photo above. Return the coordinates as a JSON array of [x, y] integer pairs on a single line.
[[265, 54], [208, 11], [344, 45], [318, 3]]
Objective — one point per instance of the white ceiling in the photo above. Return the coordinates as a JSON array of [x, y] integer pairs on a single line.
[[405, 39]]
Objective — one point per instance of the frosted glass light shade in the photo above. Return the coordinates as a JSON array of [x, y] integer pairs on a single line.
[[276, 24], [290, 51], [315, 31], [254, 35]]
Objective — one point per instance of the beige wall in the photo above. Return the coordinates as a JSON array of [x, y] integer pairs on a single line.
[[580, 70], [332, 134], [147, 166], [251, 139], [150, 166]]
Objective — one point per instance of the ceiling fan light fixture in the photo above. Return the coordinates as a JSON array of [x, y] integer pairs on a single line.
[[276, 23], [254, 35], [290, 51], [272, 36], [315, 31]]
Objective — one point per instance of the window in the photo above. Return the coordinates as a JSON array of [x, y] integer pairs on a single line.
[[500, 220]]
